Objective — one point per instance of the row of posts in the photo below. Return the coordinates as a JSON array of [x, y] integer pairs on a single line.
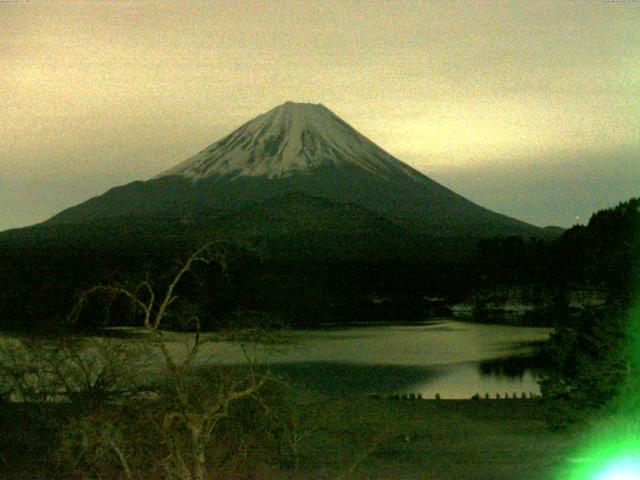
[[477, 396]]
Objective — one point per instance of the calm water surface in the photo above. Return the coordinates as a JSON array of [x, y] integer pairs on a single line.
[[438, 357]]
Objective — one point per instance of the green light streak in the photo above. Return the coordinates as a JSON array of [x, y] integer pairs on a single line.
[[623, 469], [612, 449]]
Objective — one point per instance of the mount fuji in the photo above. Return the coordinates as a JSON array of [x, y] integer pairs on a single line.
[[305, 154]]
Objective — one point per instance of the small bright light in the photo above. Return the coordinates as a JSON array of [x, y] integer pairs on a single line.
[[625, 469]]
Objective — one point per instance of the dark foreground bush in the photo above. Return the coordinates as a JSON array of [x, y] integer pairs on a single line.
[[142, 439], [153, 439]]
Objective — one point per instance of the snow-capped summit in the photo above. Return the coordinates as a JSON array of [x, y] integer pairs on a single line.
[[291, 138]]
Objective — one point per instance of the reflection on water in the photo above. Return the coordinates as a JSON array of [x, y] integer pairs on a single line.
[[346, 379], [453, 359], [514, 367], [453, 381], [466, 380]]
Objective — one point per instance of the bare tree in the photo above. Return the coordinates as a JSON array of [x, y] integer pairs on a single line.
[[197, 413]]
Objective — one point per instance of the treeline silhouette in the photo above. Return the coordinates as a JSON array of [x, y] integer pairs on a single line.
[[44, 269], [592, 357], [601, 256]]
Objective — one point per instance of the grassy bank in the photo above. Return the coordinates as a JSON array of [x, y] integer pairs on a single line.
[[364, 439], [446, 439]]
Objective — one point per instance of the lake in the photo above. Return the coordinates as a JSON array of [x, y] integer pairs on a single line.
[[454, 359]]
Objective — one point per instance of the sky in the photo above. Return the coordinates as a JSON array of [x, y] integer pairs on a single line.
[[529, 108]]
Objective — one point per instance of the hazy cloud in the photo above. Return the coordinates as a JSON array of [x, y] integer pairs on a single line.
[[118, 91]]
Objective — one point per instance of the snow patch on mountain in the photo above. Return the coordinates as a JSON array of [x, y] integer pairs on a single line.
[[291, 138]]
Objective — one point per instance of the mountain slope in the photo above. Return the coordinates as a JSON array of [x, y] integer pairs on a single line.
[[296, 225], [301, 148]]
